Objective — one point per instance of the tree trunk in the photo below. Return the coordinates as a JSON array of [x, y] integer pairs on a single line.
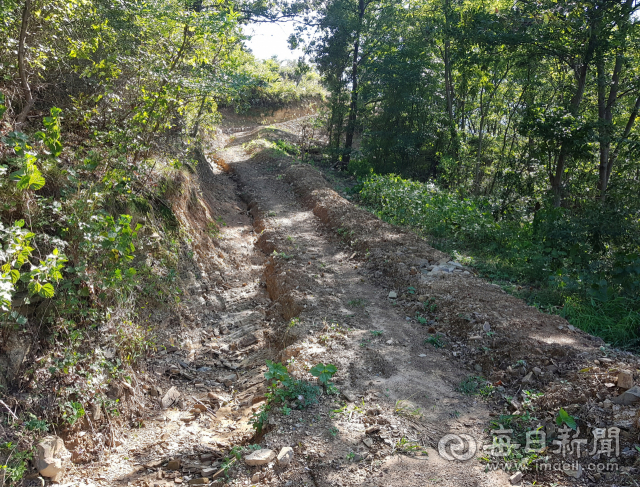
[[557, 177], [612, 159], [353, 107], [29, 101]]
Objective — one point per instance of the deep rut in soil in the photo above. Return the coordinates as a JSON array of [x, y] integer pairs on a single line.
[[340, 317]]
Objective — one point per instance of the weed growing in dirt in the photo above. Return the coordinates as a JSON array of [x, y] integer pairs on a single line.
[[235, 454], [405, 408], [435, 340], [333, 432], [324, 373], [343, 232], [566, 418], [35, 424], [357, 303], [281, 255], [287, 147], [16, 463], [293, 322], [283, 388], [350, 456], [475, 385], [409, 447], [285, 410], [376, 333]]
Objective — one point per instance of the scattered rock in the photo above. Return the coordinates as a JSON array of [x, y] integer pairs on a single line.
[[173, 464], [628, 397], [155, 391], [285, 456], [349, 396], [516, 478], [528, 378], [255, 478], [389, 342], [51, 456], [260, 457], [372, 429], [486, 327], [625, 379], [576, 474], [393, 295], [200, 481], [170, 397], [368, 442]]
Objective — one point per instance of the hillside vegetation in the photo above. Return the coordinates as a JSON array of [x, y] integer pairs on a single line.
[[512, 130], [103, 107]]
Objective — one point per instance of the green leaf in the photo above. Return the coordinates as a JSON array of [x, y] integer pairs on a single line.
[[566, 418], [47, 291], [15, 275], [36, 181]]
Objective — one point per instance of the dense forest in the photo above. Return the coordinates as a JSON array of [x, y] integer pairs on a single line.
[[524, 116]]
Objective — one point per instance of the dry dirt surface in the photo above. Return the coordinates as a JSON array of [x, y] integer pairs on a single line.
[[423, 349]]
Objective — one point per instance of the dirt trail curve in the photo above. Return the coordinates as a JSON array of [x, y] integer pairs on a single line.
[[302, 276]]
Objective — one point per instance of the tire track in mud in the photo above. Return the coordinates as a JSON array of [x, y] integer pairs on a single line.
[[343, 318]]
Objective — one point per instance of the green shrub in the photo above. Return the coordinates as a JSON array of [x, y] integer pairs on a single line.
[[582, 263]]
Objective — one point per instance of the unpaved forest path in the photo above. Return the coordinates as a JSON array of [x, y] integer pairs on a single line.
[[302, 277], [380, 370]]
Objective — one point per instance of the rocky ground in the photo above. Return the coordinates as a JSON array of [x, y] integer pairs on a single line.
[[423, 349]]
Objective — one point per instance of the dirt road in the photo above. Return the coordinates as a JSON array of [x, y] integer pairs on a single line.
[[423, 349]]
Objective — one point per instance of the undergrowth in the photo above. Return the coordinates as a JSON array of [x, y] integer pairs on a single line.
[[584, 266], [87, 251]]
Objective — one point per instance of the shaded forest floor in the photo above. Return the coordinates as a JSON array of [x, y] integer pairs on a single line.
[[423, 348]]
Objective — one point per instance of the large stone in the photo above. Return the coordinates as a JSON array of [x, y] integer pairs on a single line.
[[625, 379], [516, 478], [51, 458], [170, 397], [260, 457], [349, 396], [285, 456], [628, 397]]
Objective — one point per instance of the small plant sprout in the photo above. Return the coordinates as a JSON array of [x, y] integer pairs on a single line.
[[324, 373], [376, 333], [566, 418], [435, 340]]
